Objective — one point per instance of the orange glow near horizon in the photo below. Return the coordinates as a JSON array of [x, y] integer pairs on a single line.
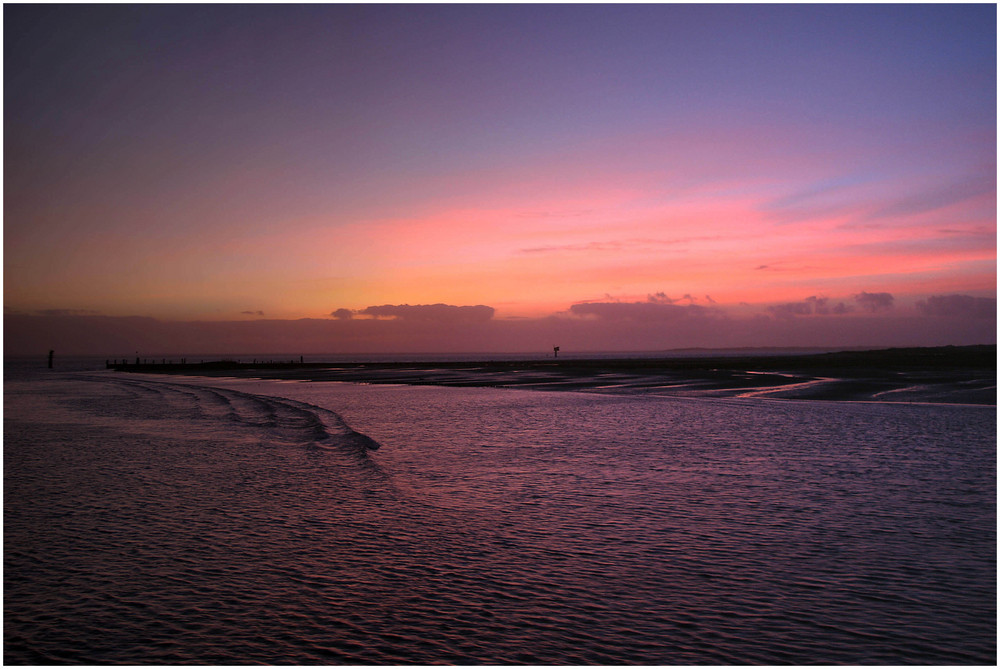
[[745, 179], [531, 257]]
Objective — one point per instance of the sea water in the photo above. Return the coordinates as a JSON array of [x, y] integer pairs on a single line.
[[154, 519]]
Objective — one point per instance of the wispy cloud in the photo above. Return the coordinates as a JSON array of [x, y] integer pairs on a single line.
[[67, 312], [588, 246], [937, 197], [823, 192], [445, 313], [831, 198], [619, 245], [567, 213], [650, 311]]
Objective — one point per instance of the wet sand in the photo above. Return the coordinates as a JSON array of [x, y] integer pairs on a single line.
[[953, 375]]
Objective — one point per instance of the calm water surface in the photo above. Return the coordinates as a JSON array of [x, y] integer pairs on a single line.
[[151, 519]]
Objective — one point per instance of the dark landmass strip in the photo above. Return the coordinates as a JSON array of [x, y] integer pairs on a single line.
[[948, 374]]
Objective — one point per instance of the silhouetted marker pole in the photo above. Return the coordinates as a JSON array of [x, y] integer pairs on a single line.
[[51, 353], [555, 350]]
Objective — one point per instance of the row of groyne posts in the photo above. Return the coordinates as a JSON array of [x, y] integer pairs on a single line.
[[111, 364], [125, 363], [145, 363]]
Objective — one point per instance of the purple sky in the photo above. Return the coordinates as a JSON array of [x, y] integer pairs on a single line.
[[230, 177]]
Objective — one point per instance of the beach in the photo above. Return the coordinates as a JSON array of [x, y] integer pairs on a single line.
[[952, 375]]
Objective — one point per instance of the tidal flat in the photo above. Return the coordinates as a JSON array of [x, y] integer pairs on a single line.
[[949, 374]]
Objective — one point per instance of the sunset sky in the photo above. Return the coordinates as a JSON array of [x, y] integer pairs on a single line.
[[739, 168]]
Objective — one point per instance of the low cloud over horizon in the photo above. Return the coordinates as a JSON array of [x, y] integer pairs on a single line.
[[423, 312], [655, 311], [963, 306], [658, 323]]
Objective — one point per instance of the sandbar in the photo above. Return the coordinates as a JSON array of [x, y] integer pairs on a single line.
[[948, 374]]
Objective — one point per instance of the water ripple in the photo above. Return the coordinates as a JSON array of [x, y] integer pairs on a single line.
[[151, 522]]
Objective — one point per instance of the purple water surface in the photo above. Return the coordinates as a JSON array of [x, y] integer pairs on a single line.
[[152, 520]]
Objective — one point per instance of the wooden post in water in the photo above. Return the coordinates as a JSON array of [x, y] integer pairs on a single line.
[[51, 353]]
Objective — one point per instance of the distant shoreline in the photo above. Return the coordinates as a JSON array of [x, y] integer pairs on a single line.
[[948, 374]]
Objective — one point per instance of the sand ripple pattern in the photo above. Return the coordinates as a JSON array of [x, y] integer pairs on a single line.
[[153, 522]]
